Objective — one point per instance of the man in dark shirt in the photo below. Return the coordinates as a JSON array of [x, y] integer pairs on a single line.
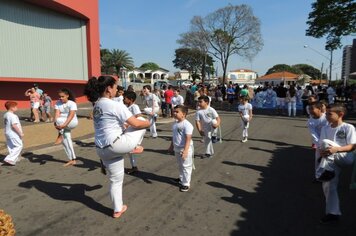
[[281, 98]]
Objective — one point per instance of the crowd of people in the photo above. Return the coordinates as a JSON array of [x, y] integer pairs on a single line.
[[120, 127]]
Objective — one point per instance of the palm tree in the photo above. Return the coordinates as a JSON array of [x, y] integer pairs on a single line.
[[121, 59]]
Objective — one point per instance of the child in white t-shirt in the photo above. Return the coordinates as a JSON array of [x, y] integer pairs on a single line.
[[177, 99], [335, 139], [182, 145], [119, 95], [129, 101], [65, 119], [245, 111], [316, 121], [152, 108], [13, 134], [206, 120]]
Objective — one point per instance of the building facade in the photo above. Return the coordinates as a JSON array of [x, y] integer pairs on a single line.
[[242, 76], [346, 62], [52, 43]]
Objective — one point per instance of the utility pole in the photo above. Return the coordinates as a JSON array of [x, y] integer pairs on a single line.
[[331, 63], [321, 72]]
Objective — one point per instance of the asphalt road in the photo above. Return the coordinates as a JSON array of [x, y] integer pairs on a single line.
[[262, 187]]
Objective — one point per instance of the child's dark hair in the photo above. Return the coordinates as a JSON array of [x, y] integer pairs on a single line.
[[10, 104], [177, 89], [120, 88], [68, 92], [130, 95], [148, 87], [337, 107], [182, 108], [204, 98], [244, 98], [316, 104], [96, 87]]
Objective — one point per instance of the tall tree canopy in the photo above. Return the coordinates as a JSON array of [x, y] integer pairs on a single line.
[[192, 60], [115, 60], [283, 67], [333, 19], [226, 31], [149, 66]]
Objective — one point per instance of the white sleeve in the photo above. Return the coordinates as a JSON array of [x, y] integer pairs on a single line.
[[122, 112], [313, 133], [197, 116], [72, 106], [181, 100], [249, 106], [351, 135], [56, 106], [188, 128], [215, 114], [322, 135], [136, 110]]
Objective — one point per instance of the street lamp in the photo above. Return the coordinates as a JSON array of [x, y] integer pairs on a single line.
[[329, 59]]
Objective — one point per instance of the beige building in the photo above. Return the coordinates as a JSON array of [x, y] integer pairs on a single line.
[[242, 76]]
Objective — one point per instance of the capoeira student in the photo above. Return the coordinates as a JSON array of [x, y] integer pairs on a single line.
[[316, 121], [65, 119], [177, 99], [119, 95], [129, 101], [206, 120], [152, 108], [182, 145], [111, 143], [13, 134], [335, 139], [245, 111]]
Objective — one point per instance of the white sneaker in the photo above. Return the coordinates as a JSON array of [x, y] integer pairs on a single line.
[[244, 140]]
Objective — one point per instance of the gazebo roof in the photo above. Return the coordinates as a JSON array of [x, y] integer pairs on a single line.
[[280, 75]]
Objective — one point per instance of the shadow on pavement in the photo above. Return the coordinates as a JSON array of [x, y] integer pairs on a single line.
[[87, 163], [68, 192], [83, 144], [149, 177], [286, 201], [41, 159]]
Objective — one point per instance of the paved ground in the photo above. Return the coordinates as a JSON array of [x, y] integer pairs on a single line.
[[262, 187]]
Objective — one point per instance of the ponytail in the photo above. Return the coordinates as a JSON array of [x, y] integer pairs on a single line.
[[95, 88]]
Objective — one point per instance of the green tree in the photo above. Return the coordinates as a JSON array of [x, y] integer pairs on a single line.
[[228, 31], [121, 59], [283, 67], [333, 19], [308, 70], [105, 61], [192, 60], [149, 66]]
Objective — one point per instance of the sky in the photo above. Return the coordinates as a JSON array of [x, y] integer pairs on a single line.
[[148, 31]]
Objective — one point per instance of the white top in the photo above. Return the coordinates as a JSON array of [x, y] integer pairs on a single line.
[[134, 109], [343, 135], [65, 108], [119, 99], [205, 116], [314, 126], [245, 108], [180, 132], [177, 100], [151, 100], [11, 119], [109, 117]]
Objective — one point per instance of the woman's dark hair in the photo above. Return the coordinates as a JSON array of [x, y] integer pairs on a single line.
[[68, 92], [292, 91], [95, 87]]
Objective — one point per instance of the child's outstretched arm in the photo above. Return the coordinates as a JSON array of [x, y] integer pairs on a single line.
[[346, 148], [198, 125]]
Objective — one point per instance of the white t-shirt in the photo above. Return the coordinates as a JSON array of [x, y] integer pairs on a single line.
[[134, 109], [109, 117], [245, 109], [11, 119], [151, 100], [119, 99], [177, 100], [343, 135], [205, 116], [314, 126], [65, 108], [180, 132]]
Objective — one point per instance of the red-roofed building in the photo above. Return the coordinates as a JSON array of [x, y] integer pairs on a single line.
[[279, 77], [242, 76]]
